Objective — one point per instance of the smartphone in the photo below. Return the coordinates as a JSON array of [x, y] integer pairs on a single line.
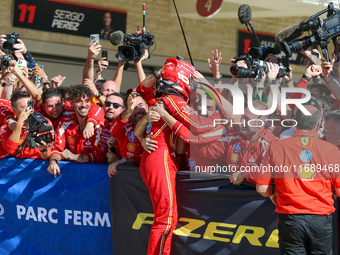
[[30, 105], [104, 54], [31, 64], [94, 37], [22, 63], [38, 81]]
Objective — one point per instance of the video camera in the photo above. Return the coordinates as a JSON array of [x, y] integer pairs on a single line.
[[322, 32], [135, 45], [39, 129], [256, 64], [256, 55]]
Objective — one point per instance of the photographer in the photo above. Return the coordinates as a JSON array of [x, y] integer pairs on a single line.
[[11, 140]]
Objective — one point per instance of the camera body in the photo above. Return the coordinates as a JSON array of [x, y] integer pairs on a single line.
[[256, 65], [322, 31], [4, 60], [40, 129], [135, 45], [10, 41]]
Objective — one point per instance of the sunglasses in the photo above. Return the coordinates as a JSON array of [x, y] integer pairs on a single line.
[[114, 105]]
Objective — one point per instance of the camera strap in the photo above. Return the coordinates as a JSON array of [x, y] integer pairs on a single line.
[[23, 144]]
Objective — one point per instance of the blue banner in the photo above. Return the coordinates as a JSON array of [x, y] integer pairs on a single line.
[[214, 216], [40, 214]]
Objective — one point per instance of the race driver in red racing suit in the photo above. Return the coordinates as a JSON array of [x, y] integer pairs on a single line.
[[161, 182]]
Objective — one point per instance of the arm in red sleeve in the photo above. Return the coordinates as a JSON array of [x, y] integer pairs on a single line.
[[5, 115], [147, 93], [99, 150], [59, 143], [9, 146], [179, 109], [184, 133], [96, 114]]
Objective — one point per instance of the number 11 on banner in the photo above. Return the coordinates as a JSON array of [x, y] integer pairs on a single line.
[[24, 8]]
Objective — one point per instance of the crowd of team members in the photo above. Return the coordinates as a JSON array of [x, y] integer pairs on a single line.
[[95, 123]]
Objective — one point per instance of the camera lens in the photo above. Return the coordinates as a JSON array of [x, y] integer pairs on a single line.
[[8, 45], [127, 53]]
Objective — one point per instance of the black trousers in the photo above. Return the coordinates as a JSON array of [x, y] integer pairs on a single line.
[[305, 234]]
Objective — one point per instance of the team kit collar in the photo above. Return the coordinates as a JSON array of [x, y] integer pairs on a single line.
[[305, 133]]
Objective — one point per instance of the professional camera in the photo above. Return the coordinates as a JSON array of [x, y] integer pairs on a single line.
[[4, 60], [39, 129], [322, 32], [135, 45], [263, 51], [10, 41], [257, 66]]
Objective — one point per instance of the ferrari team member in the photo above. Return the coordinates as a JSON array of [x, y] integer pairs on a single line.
[[161, 182], [304, 194], [122, 128], [54, 108], [245, 146], [332, 127], [14, 142], [70, 143]]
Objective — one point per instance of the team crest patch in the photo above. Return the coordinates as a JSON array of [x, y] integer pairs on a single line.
[[304, 140], [306, 155], [71, 140], [234, 158], [131, 147], [306, 172], [237, 147], [132, 137]]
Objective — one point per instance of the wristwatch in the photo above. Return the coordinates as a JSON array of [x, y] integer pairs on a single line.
[[99, 94], [218, 79], [273, 82]]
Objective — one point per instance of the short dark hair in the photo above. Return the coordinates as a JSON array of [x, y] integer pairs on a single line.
[[51, 92], [118, 95], [137, 95], [307, 122], [323, 101], [18, 95], [324, 90], [333, 115], [79, 91]]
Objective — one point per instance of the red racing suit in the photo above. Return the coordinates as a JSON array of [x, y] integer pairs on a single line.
[[129, 146], [161, 181], [69, 137], [96, 113], [5, 113], [11, 147], [242, 154]]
